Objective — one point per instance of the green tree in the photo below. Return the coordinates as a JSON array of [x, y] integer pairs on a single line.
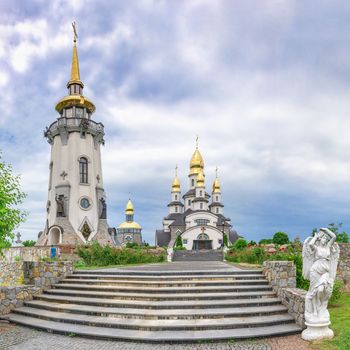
[[178, 242], [240, 244], [225, 241], [342, 237], [10, 197], [28, 243], [280, 238], [265, 241]]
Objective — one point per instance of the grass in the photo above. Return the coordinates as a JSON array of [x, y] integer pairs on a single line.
[[340, 318]]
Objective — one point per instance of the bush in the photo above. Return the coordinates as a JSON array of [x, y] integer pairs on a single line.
[[132, 245], [265, 241], [337, 291], [225, 241], [96, 255], [178, 242], [28, 243], [240, 244], [280, 238]]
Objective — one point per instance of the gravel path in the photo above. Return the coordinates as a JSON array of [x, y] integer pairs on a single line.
[[14, 337]]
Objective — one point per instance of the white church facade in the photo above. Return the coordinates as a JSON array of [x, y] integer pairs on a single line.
[[199, 222]]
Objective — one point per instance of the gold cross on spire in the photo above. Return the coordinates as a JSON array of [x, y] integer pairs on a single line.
[[197, 137], [216, 172], [75, 31], [176, 170]]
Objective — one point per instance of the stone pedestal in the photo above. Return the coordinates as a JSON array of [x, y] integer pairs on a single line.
[[316, 331]]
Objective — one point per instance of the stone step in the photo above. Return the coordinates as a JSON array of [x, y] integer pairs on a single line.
[[165, 274], [163, 290], [157, 325], [239, 299], [154, 336], [158, 296], [169, 283], [246, 307]]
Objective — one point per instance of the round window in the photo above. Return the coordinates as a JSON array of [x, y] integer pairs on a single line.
[[85, 203]]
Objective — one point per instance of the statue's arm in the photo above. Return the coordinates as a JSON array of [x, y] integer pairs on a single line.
[[331, 234]]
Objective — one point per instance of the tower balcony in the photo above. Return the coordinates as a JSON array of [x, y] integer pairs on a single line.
[[63, 126]]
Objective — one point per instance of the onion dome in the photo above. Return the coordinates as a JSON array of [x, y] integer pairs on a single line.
[[175, 187], [196, 163], [129, 209], [200, 179], [216, 186], [131, 224]]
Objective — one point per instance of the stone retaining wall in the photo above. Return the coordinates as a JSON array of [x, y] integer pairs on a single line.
[[343, 271], [34, 276], [282, 277]]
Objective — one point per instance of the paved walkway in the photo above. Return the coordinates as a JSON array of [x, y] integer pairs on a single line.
[[178, 266], [14, 337]]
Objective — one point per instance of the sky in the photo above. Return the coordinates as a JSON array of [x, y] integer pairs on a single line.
[[265, 84]]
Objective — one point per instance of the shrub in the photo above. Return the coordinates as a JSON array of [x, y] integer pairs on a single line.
[[132, 245], [265, 241], [337, 291], [280, 238], [96, 255], [28, 243], [225, 241], [240, 244], [17, 258], [178, 242], [251, 243]]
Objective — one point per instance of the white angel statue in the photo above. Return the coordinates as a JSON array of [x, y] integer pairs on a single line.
[[320, 259]]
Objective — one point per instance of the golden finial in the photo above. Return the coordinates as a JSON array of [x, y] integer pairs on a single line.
[[216, 172], [197, 137], [74, 25], [176, 170]]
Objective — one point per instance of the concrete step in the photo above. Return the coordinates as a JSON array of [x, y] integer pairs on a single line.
[[158, 325], [154, 336], [245, 307], [166, 274], [198, 255], [163, 290], [159, 296], [240, 299], [169, 283]]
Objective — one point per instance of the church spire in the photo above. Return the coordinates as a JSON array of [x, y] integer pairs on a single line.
[[75, 74]]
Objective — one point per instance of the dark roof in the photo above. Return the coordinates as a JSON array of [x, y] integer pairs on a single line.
[[162, 238], [175, 203], [191, 192], [217, 204]]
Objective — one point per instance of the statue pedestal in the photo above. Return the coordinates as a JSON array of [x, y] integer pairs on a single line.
[[316, 331]]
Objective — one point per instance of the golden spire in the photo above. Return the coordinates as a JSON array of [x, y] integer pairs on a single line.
[[129, 209], [216, 184], [196, 163], [75, 74], [175, 187], [200, 179]]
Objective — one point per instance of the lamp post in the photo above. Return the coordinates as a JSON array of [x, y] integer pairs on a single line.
[[223, 234]]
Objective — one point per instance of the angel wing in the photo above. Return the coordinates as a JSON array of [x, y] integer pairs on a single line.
[[308, 258], [334, 260]]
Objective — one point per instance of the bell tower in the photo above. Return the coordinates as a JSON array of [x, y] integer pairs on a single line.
[[76, 206]]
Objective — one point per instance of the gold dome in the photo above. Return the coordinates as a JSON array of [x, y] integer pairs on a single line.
[[75, 100], [200, 178], [131, 225], [216, 186], [196, 163], [129, 209], [175, 185]]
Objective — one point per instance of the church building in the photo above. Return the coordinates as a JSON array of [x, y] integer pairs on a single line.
[[76, 205], [129, 231], [200, 223]]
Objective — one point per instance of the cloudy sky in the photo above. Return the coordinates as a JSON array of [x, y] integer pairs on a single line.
[[266, 85]]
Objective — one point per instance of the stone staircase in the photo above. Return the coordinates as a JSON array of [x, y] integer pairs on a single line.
[[198, 255], [156, 306]]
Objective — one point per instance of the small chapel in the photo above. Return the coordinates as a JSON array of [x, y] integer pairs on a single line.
[[199, 222]]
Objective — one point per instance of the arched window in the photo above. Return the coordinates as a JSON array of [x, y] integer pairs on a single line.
[[217, 198], [83, 170], [200, 193], [192, 182], [175, 209], [217, 210], [201, 205], [176, 197]]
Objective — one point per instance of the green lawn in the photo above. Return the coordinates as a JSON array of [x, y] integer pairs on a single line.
[[340, 318]]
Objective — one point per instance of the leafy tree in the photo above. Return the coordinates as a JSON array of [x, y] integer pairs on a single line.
[[178, 242], [251, 243], [342, 237], [10, 197], [225, 241], [280, 238], [240, 244], [265, 241], [28, 243]]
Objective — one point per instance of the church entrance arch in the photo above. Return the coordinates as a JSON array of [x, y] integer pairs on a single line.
[[55, 235], [202, 242]]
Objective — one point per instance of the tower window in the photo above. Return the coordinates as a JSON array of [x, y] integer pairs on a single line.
[[189, 202], [192, 182], [175, 209], [83, 169], [50, 178], [200, 193], [176, 197], [217, 198], [201, 205], [217, 210]]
